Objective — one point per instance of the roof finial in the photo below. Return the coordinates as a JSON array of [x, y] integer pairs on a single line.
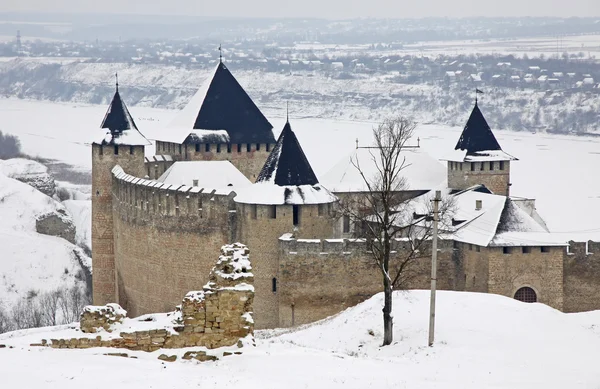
[[477, 91], [220, 54], [117, 80], [287, 111]]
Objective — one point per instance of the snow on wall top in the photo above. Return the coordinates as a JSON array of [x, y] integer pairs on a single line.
[[214, 174], [421, 172], [265, 193], [222, 104]]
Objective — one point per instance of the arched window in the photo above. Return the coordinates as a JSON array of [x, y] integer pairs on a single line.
[[526, 294]]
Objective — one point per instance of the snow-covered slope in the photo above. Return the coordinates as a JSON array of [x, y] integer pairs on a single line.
[[31, 263], [309, 94], [482, 341]]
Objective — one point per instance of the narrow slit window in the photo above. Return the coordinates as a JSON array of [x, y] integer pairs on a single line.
[[296, 214], [207, 147], [253, 211], [101, 151], [472, 166], [248, 147], [229, 147], [274, 285], [268, 146], [239, 147], [482, 167], [346, 222], [273, 212], [501, 163], [491, 165], [218, 148], [258, 147], [197, 147], [131, 150], [116, 150]]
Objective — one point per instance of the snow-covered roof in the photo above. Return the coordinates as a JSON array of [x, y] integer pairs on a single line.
[[118, 127], [482, 218], [222, 104], [286, 177], [421, 172], [205, 174]]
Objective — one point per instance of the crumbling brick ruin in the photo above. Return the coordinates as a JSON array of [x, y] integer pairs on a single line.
[[220, 315]]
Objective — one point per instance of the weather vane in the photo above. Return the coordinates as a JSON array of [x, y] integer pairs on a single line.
[[117, 80], [220, 54]]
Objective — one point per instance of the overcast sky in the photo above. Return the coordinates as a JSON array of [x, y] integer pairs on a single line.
[[317, 8]]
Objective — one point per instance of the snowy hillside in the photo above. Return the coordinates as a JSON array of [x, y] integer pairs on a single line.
[[482, 341], [310, 94], [31, 263]]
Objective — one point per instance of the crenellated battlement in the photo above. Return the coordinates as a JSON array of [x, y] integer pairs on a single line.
[[583, 248], [142, 201], [350, 247]]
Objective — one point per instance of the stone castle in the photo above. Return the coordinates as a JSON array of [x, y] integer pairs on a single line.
[[218, 176]]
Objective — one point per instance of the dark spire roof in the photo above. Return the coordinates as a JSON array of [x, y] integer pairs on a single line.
[[226, 106], [287, 165], [117, 117], [477, 135]]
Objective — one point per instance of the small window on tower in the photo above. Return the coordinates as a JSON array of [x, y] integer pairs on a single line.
[[248, 147], [273, 212], [501, 165], [482, 167], [274, 284], [197, 147], [207, 147], [116, 150], [131, 150], [229, 147], [218, 148], [253, 211], [179, 149], [492, 165], [258, 147], [472, 166], [239, 147], [346, 224], [268, 145], [461, 166], [101, 151]]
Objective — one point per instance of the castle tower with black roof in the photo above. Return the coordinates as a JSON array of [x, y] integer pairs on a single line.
[[221, 122], [287, 196], [117, 142], [478, 158]]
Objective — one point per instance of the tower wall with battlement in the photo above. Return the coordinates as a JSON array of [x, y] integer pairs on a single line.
[[463, 175], [104, 158], [247, 158], [582, 277]]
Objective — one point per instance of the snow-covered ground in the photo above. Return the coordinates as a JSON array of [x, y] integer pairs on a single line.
[[31, 263], [482, 341], [557, 170]]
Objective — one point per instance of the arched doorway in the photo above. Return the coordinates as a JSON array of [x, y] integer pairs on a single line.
[[526, 294]]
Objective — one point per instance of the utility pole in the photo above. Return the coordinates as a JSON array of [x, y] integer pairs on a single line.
[[436, 200]]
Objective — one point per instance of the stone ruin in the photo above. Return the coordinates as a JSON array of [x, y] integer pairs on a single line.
[[220, 315]]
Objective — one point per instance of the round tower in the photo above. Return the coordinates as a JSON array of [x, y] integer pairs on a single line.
[[119, 142], [478, 158], [286, 198]]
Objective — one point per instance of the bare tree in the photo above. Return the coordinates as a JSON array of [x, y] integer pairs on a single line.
[[49, 303], [386, 216]]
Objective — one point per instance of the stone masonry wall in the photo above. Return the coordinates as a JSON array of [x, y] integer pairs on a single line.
[[104, 159], [261, 233], [165, 238], [320, 278], [541, 271], [495, 180], [582, 277]]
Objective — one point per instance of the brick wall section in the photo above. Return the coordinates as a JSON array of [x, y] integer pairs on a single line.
[[165, 240], [248, 162], [261, 235], [103, 261], [321, 278], [541, 271], [582, 277], [495, 180]]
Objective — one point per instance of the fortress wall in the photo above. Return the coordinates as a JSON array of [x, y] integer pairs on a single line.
[[165, 240], [582, 277], [249, 159], [319, 278]]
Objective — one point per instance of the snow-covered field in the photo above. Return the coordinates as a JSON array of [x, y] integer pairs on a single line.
[[557, 170], [482, 341]]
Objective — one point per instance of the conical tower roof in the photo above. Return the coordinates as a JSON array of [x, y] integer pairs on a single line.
[[477, 135], [222, 104], [286, 177], [119, 125], [287, 164]]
